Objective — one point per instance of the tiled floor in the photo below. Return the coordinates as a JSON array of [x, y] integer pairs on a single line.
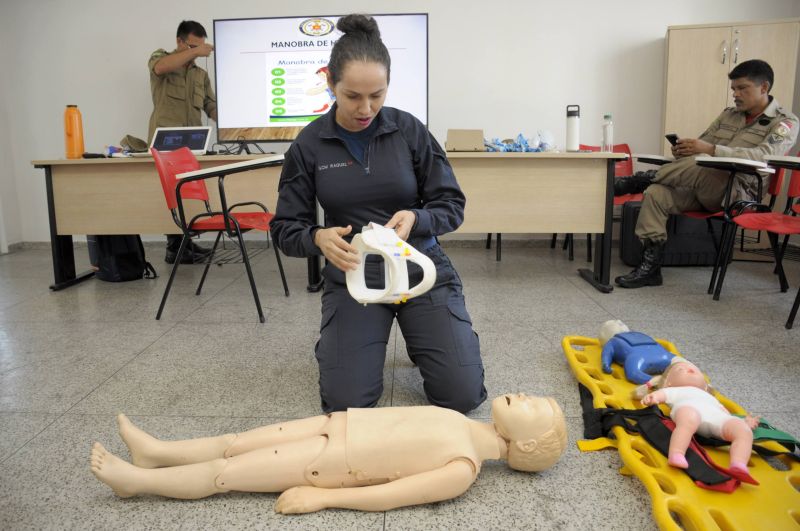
[[70, 360]]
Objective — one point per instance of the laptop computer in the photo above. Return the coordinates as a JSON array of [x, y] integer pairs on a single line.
[[195, 138]]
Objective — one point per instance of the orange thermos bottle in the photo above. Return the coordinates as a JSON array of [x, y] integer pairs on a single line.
[[73, 132]]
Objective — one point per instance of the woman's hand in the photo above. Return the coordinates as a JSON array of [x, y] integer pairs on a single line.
[[338, 252], [402, 222]]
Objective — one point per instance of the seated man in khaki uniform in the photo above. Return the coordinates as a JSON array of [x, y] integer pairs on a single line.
[[181, 91], [755, 127]]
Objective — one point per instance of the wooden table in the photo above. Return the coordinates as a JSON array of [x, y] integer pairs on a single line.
[[506, 192], [542, 193], [124, 196]]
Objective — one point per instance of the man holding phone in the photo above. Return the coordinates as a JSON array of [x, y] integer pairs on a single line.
[[756, 126]]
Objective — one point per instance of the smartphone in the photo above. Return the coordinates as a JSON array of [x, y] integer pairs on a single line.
[[672, 138]]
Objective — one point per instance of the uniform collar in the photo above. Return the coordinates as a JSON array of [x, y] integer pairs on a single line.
[[328, 130], [772, 108]]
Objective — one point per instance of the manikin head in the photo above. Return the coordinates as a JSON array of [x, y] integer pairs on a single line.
[[610, 329], [534, 427], [680, 373], [683, 373]]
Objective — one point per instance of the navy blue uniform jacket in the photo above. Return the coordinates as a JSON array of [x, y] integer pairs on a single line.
[[404, 169]]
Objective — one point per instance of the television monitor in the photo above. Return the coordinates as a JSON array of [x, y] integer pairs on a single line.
[[271, 72]]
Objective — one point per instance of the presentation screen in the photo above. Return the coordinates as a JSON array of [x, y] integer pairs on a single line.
[[271, 73]]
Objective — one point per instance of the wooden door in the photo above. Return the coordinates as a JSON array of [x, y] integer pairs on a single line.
[[697, 79], [775, 44]]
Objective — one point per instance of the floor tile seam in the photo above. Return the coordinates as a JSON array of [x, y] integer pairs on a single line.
[[23, 445], [220, 290], [120, 368], [8, 308], [17, 367], [578, 282]]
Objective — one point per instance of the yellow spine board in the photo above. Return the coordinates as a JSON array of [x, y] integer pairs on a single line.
[[774, 504]]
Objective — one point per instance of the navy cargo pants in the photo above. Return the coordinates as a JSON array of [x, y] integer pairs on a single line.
[[436, 327]]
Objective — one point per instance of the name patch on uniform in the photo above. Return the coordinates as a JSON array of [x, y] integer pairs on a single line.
[[332, 165]]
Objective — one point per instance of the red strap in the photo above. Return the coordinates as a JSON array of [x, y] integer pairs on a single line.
[[728, 486]]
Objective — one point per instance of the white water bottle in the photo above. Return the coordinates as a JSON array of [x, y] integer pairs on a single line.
[[573, 127], [608, 134]]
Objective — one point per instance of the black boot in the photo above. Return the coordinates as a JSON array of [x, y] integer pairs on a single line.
[[635, 184], [648, 273], [194, 254]]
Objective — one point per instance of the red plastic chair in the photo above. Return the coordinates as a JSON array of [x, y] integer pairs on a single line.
[[234, 224], [774, 189], [751, 215], [622, 168]]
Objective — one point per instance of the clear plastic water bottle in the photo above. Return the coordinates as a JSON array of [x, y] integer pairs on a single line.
[[608, 134]]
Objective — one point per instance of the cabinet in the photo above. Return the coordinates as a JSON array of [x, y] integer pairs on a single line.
[[699, 59]]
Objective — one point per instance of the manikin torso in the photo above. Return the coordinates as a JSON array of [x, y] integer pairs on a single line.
[[411, 441]]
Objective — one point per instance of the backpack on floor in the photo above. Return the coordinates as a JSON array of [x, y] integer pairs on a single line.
[[119, 258]]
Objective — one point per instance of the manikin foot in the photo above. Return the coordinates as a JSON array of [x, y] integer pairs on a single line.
[[740, 472], [112, 470], [677, 460], [142, 446]]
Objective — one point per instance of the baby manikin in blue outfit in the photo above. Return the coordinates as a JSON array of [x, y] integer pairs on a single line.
[[639, 354]]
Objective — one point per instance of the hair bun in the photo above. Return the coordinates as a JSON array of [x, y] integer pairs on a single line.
[[351, 24]]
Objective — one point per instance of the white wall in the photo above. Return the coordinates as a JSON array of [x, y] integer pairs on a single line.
[[10, 226], [506, 70]]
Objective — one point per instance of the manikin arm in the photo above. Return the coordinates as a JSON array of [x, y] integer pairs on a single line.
[[444, 483], [656, 397], [607, 356]]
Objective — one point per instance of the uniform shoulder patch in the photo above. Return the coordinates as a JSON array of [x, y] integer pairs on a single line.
[[161, 52], [782, 130], [776, 138]]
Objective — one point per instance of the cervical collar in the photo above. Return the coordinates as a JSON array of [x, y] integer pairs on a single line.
[[378, 240]]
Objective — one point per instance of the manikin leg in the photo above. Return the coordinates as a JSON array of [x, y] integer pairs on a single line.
[[188, 482], [270, 469], [687, 421], [740, 436], [148, 452]]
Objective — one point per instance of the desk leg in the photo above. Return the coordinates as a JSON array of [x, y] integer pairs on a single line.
[[600, 278], [61, 246]]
